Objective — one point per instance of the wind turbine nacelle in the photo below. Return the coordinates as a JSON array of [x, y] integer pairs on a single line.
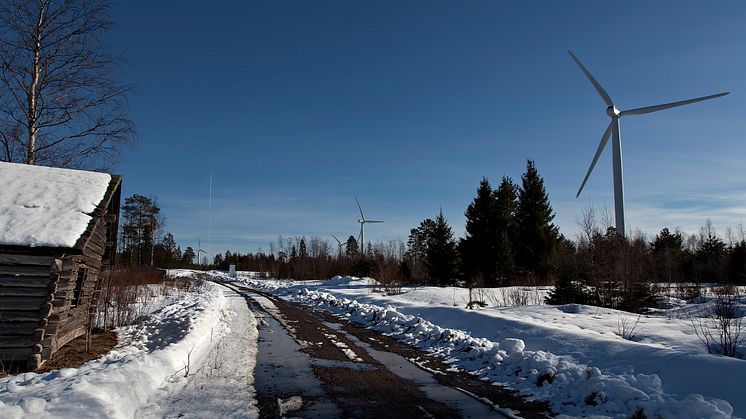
[[613, 112]]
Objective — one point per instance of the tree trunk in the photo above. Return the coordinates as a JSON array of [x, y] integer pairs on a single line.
[[32, 92]]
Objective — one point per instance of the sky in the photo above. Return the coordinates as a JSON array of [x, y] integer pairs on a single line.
[[295, 107]]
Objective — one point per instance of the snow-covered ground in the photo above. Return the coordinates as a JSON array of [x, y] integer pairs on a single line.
[[570, 355], [179, 361], [575, 352]]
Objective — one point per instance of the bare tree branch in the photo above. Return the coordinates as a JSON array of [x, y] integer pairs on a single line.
[[58, 95]]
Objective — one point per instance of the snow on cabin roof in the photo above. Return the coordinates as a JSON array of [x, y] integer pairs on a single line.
[[46, 206]]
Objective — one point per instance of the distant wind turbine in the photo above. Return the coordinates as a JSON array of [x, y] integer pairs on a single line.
[[199, 249], [362, 222], [340, 245], [613, 131]]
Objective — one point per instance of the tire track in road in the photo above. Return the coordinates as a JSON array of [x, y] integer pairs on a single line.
[[310, 364]]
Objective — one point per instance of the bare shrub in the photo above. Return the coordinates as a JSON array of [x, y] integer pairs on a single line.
[[515, 297], [626, 327], [719, 326], [389, 276], [687, 291], [125, 295], [476, 299]]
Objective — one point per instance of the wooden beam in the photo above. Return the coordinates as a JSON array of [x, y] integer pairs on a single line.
[[12, 341], [11, 259], [21, 303], [22, 270], [25, 281], [23, 292], [16, 354]]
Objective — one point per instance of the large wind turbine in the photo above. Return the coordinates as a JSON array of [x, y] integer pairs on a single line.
[[613, 131], [362, 222]]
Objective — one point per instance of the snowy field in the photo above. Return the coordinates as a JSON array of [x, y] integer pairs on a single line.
[[571, 355], [166, 366], [194, 354]]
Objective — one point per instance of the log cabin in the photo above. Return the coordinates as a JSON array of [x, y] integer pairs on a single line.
[[58, 236]]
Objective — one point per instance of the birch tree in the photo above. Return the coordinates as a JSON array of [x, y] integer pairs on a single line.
[[59, 102]]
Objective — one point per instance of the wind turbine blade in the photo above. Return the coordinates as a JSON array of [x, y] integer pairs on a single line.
[[601, 145], [656, 108], [373, 221], [360, 208], [335, 238], [599, 89]]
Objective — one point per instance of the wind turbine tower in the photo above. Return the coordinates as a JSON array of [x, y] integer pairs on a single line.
[[613, 131], [362, 222]]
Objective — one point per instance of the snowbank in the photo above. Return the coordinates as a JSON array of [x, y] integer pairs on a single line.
[[150, 360]]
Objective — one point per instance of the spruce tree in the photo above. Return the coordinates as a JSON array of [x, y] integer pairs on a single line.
[[737, 264], [569, 287], [505, 207], [710, 255], [442, 258], [536, 236], [668, 253], [478, 247], [351, 247]]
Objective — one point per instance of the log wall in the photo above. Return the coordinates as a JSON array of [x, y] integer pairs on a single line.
[[36, 295]]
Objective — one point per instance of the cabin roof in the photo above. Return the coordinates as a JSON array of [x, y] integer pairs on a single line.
[[47, 206]]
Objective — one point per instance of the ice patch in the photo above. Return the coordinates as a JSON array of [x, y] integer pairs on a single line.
[[289, 405]]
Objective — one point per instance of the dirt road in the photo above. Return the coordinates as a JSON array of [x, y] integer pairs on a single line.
[[312, 364]]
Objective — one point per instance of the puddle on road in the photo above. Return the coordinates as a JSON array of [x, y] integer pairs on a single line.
[[401, 366], [283, 371], [331, 363]]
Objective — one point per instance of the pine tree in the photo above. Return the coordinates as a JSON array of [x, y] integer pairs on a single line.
[[218, 261], [442, 258], [141, 223], [351, 248], [536, 236], [505, 225], [303, 252], [165, 252], [417, 249], [478, 247], [187, 258]]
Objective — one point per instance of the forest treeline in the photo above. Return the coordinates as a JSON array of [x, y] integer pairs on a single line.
[[509, 239]]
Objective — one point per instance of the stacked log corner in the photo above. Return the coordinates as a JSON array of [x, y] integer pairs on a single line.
[[37, 287], [26, 291]]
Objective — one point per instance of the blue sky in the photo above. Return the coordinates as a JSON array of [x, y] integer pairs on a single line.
[[294, 107]]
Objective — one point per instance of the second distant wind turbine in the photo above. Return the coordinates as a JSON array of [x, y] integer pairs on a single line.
[[362, 222], [340, 245], [613, 131]]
